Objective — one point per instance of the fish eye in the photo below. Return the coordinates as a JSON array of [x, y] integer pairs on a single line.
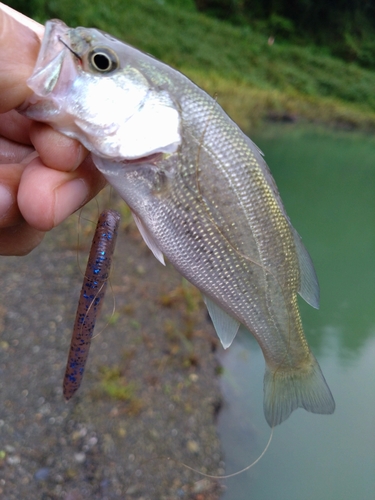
[[103, 60]]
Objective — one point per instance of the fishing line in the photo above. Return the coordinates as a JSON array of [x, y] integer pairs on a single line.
[[112, 312], [203, 474], [80, 230], [227, 476]]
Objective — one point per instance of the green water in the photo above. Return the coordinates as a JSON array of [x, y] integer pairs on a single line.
[[327, 183]]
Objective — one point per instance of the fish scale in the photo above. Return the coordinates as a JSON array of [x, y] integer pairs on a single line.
[[200, 192]]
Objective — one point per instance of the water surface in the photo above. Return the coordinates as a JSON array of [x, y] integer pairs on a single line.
[[327, 182]]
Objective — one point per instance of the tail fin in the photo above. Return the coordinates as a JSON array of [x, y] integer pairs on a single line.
[[285, 391]]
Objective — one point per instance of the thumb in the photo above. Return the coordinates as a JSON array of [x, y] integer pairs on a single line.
[[19, 42]]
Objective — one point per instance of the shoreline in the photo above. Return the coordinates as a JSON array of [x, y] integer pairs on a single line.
[[251, 106]]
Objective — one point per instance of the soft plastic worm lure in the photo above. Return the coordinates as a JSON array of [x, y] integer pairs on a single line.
[[92, 294]]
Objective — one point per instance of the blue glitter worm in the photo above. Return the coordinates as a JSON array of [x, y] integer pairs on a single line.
[[91, 298]]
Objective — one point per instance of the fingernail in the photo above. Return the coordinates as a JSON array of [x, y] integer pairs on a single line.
[[6, 201], [70, 197]]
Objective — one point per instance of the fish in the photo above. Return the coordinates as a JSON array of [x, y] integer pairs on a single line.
[[93, 290], [200, 192]]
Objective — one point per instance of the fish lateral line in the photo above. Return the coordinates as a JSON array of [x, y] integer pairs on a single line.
[[211, 219], [91, 299]]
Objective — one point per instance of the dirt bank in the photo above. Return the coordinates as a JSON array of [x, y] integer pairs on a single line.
[[150, 389]]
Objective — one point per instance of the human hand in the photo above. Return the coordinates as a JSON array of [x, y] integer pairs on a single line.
[[44, 176]]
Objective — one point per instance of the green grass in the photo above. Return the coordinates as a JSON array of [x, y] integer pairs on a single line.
[[114, 384], [250, 77]]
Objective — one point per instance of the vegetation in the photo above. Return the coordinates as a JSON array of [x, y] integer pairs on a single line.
[[252, 74], [114, 385], [344, 28]]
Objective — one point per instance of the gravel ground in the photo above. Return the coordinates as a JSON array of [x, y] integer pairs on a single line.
[[150, 389]]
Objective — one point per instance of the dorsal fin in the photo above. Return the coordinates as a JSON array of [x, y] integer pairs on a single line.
[[309, 288], [226, 327], [149, 239]]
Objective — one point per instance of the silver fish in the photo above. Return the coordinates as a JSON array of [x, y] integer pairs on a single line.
[[200, 192]]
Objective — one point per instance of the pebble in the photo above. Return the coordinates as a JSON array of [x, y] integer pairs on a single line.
[[15, 460], [192, 446], [42, 474], [80, 457], [201, 486]]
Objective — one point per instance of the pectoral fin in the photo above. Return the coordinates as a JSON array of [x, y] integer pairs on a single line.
[[226, 327], [149, 239], [309, 287]]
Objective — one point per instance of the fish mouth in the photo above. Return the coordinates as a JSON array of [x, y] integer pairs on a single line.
[[48, 75], [55, 32], [151, 159], [51, 58]]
